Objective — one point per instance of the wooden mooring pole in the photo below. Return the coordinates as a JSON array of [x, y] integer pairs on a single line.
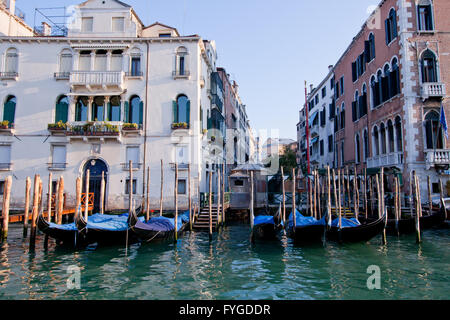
[[102, 194], [27, 206], [294, 213], [223, 194], [176, 202], [210, 206], [252, 213], [147, 202], [49, 198], [5, 208], [418, 208], [86, 190], [189, 197], [219, 194], [328, 195], [284, 196], [383, 205], [60, 200], [34, 211], [161, 194], [79, 187]]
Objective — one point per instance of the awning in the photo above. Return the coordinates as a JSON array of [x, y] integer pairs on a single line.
[[313, 117]]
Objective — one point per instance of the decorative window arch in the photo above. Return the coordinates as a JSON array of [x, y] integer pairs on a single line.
[[357, 149], [135, 62], [134, 110], [395, 78], [11, 62], [391, 26], [390, 134], [374, 92], [342, 116], [433, 131], [114, 109], [370, 48], [425, 15], [376, 141], [98, 109], [355, 109], [428, 64], [399, 133], [383, 138], [386, 83], [81, 109], [9, 110], [62, 109], [181, 62], [181, 109], [366, 145]]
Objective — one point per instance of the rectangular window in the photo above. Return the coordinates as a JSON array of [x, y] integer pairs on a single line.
[[321, 147], [341, 85], [5, 156], [116, 62], [66, 63], [425, 18], [330, 143], [87, 24], [85, 61], [435, 188], [100, 62], [133, 155], [165, 35], [181, 155], [118, 24], [2, 187], [316, 99], [182, 186], [324, 92], [127, 186], [135, 66], [59, 156]]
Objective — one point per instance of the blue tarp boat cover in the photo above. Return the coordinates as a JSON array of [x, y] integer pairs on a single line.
[[65, 227], [301, 220], [264, 220], [168, 224], [109, 222], [346, 223]]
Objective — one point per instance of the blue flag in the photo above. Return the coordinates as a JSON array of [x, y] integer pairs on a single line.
[[443, 121]]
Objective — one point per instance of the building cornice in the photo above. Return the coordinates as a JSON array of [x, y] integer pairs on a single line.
[[99, 40]]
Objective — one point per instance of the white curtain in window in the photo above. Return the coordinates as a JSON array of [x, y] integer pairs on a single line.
[[133, 155], [87, 24], [5, 154], [59, 154], [100, 62], [118, 24], [11, 62], [66, 62], [85, 62], [116, 62], [181, 155]]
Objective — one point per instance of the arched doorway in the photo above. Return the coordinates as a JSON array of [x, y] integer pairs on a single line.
[[96, 167]]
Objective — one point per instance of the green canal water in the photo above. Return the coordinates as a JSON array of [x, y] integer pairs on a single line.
[[230, 267]]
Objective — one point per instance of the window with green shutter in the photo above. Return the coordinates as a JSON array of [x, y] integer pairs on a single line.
[[9, 109], [62, 108]]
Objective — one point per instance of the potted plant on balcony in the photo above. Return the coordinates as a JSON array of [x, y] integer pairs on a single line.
[[111, 130], [4, 125], [130, 126], [179, 125], [57, 127]]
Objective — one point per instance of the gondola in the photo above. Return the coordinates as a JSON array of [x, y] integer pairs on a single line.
[[67, 234], [307, 229], [105, 229], [157, 228], [267, 227], [408, 225], [355, 231]]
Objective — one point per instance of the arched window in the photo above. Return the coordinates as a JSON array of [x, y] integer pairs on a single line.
[[62, 108], [9, 110], [390, 129], [65, 62], [366, 145], [134, 110], [181, 110], [380, 87], [386, 83], [398, 133], [98, 109], [425, 15], [373, 92], [376, 141], [342, 116], [429, 68], [11, 62], [395, 78], [383, 138], [355, 109], [357, 149], [391, 26], [181, 62], [363, 101], [369, 49], [135, 62], [114, 109], [433, 131], [81, 109]]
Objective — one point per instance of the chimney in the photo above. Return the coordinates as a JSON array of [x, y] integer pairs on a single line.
[[11, 6], [330, 67], [46, 29]]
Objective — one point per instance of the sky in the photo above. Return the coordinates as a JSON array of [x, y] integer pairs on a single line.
[[269, 47]]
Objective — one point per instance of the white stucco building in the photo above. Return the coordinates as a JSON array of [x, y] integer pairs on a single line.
[[121, 91]]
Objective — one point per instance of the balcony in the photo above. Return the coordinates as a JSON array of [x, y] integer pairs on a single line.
[[386, 160], [6, 166], [61, 75], [131, 129], [433, 90], [440, 157], [181, 166], [181, 74], [217, 102], [134, 74], [93, 131], [9, 75], [100, 80]]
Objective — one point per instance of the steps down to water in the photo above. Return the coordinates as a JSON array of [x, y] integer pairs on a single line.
[[202, 221]]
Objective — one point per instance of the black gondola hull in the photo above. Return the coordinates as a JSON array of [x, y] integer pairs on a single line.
[[306, 234], [66, 237], [266, 231], [361, 233], [145, 233], [408, 225]]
